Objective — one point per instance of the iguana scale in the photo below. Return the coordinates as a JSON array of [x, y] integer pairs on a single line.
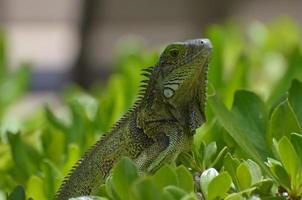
[[160, 125]]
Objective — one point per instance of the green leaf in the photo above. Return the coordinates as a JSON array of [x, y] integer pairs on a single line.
[[289, 158], [73, 157], [167, 195], [279, 172], [238, 128], [165, 176], [124, 174], [112, 104], [296, 141], [110, 190], [210, 151], [251, 113], [295, 98], [234, 196], [191, 196], [16, 83], [199, 155], [238, 77], [231, 164], [255, 171], [185, 179], [175, 192], [51, 178], [187, 160], [54, 121], [53, 142], [283, 121], [294, 71], [288, 155], [24, 155], [244, 176], [205, 179], [220, 156], [146, 189], [17, 194], [264, 187], [35, 188], [219, 186]]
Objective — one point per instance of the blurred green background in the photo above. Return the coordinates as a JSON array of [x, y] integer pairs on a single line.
[[49, 118]]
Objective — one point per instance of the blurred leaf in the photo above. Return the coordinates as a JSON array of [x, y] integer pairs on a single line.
[[35, 188], [16, 83], [175, 192], [239, 78], [296, 141], [294, 71], [112, 104], [111, 190], [219, 157], [165, 176], [184, 179], [187, 160], [53, 145], [283, 121], [73, 157], [17, 194], [124, 174], [54, 121], [146, 189], [295, 98], [50, 180], [219, 186], [24, 155], [216, 35], [3, 55], [210, 150]]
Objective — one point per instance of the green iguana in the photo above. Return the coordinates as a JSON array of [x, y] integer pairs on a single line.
[[160, 125]]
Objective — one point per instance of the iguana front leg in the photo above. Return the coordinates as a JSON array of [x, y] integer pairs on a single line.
[[165, 149]]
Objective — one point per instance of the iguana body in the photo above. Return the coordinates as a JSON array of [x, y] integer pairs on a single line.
[[159, 126]]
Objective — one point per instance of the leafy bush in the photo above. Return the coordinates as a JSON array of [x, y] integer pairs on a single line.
[[250, 147]]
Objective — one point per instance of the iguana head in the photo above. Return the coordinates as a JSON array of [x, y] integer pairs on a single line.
[[181, 80]]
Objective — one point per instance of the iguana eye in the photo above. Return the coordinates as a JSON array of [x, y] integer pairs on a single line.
[[168, 93], [174, 53]]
